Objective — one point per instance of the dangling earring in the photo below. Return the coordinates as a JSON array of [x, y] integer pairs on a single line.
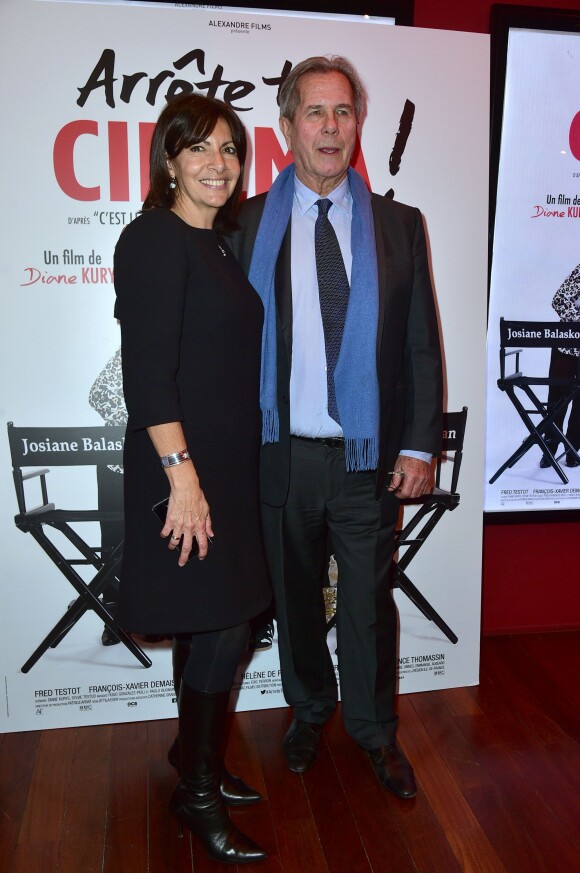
[[172, 182]]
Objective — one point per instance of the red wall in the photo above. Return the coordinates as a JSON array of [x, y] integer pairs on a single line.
[[531, 579], [471, 15]]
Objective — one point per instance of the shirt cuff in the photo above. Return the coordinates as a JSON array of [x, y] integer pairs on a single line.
[[421, 456]]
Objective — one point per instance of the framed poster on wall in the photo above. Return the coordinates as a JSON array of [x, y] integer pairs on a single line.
[[533, 407]]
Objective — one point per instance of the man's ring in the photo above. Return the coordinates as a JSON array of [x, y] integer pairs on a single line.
[[175, 538], [400, 473]]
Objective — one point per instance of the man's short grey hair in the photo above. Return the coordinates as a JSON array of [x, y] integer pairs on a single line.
[[290, 91]]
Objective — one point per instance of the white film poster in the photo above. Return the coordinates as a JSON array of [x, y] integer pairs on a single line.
[[536, 266], [82, 142]]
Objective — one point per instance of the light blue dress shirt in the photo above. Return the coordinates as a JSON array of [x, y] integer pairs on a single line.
[[308, 393]]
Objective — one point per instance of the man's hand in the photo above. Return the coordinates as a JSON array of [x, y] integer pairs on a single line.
[[416, 481]]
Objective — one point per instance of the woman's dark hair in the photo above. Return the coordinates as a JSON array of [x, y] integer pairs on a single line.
[[186, 120]]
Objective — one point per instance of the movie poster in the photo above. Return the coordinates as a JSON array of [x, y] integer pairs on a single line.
[[82, 87], [536, 267]]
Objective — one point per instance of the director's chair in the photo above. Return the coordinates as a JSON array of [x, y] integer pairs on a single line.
[[68, 447], [522, 389], [431, 509]]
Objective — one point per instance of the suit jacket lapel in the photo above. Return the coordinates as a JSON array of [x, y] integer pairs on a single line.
[[283, 284]]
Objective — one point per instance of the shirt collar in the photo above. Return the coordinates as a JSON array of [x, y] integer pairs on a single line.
[[306, 198]]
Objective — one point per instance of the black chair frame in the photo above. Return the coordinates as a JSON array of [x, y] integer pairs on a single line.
[[34, 520], [432, 507], [514, 337]]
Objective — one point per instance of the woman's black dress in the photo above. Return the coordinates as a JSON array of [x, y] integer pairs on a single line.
[[191, 336]]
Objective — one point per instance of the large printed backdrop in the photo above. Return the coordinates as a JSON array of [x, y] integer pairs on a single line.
[[536, 249], [79, 122]]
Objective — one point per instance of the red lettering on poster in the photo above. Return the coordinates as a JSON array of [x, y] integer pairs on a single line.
[[270, 158], [358, 162], [268, 153], [575, 136], [146, 129], [118, 161], [63, 159]]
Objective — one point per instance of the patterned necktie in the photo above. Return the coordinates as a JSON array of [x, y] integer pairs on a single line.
[[333, 290]]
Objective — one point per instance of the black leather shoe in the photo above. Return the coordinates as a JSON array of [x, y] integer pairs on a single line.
[[571, 459], [393, 770], [301, 745]]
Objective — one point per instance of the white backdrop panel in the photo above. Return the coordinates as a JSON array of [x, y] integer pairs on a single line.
[[56, 336]]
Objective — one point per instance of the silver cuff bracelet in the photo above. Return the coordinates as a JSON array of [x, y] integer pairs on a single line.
[[175, 459]]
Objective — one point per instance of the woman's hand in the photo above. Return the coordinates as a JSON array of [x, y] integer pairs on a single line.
[[187, 513]]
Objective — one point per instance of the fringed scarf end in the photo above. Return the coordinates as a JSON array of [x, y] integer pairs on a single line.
[[362, 454], [270, 426]]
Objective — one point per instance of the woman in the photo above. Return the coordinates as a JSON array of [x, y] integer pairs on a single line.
[[563, 369], [191, 337], [106, 398]]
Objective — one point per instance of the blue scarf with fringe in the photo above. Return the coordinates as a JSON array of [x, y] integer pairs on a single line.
[[355, 376]]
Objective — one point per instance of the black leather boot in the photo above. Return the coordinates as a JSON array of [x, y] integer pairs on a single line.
[[179, 654], [196, 801], [234, 790]]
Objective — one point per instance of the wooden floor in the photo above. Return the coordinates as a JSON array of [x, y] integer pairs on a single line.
[[498, 768]]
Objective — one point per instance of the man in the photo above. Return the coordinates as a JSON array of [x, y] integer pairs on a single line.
[[337, 411]]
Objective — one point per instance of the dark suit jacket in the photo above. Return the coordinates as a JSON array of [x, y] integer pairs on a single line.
[[408, 352]]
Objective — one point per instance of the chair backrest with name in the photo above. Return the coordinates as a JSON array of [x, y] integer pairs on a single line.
[[66, 446], [61, 447], [452, 445], [539, 334]]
